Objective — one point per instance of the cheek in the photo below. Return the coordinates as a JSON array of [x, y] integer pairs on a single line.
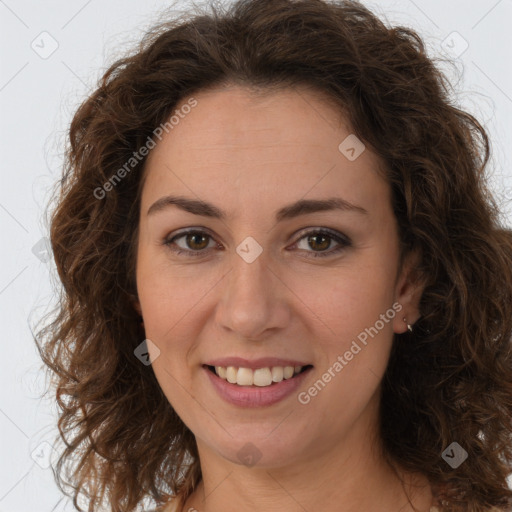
[[354, 361], [173, 306], [166, 295], [353, 312], [348, 300]]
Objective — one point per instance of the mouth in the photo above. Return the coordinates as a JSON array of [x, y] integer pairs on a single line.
[[261, 377], [261, 387]]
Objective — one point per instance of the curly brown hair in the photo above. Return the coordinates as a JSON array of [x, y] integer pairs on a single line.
[[449, 380]]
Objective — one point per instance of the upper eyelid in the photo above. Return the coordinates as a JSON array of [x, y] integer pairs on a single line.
[[299, 235], [300, 232]]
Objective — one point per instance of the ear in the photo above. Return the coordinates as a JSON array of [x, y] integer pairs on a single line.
[[408, 291]]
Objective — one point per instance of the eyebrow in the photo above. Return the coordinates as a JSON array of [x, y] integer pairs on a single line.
[[301, 207]]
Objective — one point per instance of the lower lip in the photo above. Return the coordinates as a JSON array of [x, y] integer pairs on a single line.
[[255, 396]]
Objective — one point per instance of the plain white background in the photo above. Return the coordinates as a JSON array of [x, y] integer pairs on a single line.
[[52, 54]]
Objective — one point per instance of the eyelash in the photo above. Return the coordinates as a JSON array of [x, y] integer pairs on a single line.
[[343, 240]]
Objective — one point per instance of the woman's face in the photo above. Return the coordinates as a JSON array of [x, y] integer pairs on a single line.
[[266, 280]]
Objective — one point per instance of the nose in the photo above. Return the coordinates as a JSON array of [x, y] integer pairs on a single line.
[[254, 299]]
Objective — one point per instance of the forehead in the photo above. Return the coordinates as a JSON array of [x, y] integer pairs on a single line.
[[283, 141], [235, 118]]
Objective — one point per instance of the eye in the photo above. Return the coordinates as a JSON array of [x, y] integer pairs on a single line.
[[196, 242], [194, 238], [321, 239]]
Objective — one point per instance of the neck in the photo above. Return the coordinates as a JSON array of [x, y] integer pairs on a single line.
[[261, 494]]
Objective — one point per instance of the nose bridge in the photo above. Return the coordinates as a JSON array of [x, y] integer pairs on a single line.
[[250, 270], [249, 303], [249, 282]]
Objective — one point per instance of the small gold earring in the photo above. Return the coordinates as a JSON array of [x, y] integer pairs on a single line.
[[409, 327]]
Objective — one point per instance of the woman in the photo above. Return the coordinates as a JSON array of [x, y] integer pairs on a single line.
[[285, 283]]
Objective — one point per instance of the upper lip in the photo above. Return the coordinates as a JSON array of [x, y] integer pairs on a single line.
[[263, 362]]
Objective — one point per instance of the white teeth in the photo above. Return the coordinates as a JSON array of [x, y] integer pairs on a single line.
[[260, 377], [277, 373], [288, 371], [231, 372], [244, 377]]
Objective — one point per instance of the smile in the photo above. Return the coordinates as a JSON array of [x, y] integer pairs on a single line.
[[254, 394], [261, 377]]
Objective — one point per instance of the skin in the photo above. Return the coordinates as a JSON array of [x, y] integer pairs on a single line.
[[251, 155]]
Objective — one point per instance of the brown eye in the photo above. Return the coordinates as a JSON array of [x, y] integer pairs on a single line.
[[321, 240], [195, 243]]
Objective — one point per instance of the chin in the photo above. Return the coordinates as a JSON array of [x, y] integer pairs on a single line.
[[261, 451]]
